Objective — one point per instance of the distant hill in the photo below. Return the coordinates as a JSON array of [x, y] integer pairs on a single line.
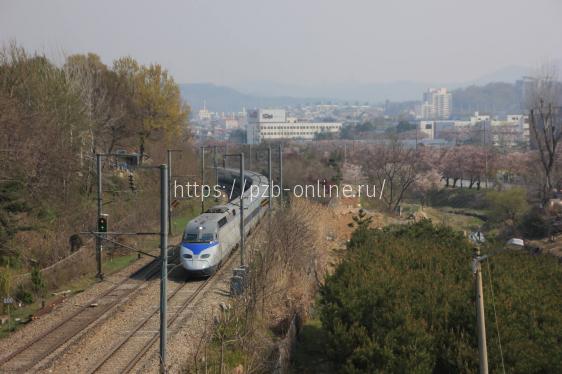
[[495, 92], [496, 98], [508, 74], [377, 92], [226, 99]]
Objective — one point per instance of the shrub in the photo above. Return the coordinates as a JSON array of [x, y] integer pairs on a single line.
[[534, 225], [506, 205], [402, 301], [457, 198], [24, 296], [37, 282]]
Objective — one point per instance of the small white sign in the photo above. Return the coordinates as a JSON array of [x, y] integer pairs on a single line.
[[8, 300]]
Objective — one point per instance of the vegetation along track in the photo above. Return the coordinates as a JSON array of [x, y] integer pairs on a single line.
[[126, 354], [31, 353]]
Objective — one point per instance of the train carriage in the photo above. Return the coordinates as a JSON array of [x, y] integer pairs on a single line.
[[210, 238]]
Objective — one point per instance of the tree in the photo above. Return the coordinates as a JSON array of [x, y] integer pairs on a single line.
[[159, 102], [394, 166], [508, 205], [107, 101], [237, 136], [404, 126], [545, 123]]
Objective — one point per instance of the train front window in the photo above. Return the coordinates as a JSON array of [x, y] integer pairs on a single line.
[[190, 237], [207, 237], [199, 238]]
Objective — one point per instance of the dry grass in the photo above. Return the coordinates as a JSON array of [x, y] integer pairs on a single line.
[[288, 258]]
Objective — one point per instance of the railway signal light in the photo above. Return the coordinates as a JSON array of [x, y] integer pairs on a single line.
[[102, 224]]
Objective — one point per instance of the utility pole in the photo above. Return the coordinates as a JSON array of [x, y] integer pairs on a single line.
[[485, 155], [99, 246], [480, 318], [250, 157], [281, 171], [169, 192], [241, 156], [202, 179], [242, 209], [270, 179], [164, 264], [215, 165], [170, 188]]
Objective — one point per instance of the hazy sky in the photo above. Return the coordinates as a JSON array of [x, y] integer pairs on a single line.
[[297, 41]]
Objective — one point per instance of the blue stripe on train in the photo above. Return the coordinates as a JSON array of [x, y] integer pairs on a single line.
[[197, 248]]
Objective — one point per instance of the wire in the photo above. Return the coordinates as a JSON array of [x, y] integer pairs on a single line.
[[495, 314]]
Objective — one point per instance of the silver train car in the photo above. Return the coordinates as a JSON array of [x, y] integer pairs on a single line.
[[209, 238]]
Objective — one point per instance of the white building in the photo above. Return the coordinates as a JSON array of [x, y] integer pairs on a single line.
[[231, 123], [273, 124], [478, 118], [204, 114], [440, 129], [508, 132], [512, 130], [437, 104]]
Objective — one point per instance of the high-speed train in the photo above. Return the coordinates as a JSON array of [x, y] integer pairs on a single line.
[[209, 238]]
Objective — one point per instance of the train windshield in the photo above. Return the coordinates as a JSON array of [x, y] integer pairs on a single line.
[[199, 238], [207, 237]]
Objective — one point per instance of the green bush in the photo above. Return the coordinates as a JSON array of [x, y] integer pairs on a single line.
[[402, 301], [457, 198], [506, 205], [37, 282], [24, 296], [534, 225]]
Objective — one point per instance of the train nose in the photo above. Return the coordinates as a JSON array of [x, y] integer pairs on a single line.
[[197, 265], [196, 257]]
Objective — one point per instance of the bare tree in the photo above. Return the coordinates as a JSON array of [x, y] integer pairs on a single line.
[[544, 122], [393, 165]]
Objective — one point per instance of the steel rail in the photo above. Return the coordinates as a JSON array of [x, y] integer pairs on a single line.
[[151, 270]]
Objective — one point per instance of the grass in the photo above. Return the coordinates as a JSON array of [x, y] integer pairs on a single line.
[[115, 264], [22, 313], [457, 221], [453, 217], [110, 266]]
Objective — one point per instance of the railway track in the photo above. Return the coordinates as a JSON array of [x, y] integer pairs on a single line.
[[43, 345], [137, 342]]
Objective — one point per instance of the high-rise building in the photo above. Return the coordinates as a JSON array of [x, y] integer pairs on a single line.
[[204, 114], [437, 104]]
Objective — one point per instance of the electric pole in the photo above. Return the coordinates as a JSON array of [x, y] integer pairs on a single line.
[[480, 318], [242, 209], [281, 171], [250, 157], [270, 179], [202, 179], [99, 246], [164, 263], [215, 165], [241, 156], [169, 192], [485, 155], [170, 188]]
